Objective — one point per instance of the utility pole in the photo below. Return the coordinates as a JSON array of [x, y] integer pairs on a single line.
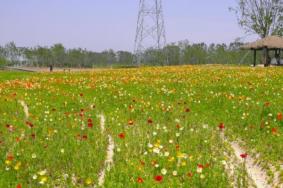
[[150, 32]]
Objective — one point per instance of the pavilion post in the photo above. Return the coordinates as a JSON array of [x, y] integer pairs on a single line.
[[254, 57]]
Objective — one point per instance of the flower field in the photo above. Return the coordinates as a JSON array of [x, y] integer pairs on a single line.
[[147, 127]]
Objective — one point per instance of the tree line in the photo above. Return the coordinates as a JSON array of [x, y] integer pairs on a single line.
[[179, 53]]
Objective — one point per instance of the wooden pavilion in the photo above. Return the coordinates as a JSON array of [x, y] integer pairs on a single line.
[[270, 43]]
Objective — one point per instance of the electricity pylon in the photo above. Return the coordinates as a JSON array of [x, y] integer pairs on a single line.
[[150, 31]]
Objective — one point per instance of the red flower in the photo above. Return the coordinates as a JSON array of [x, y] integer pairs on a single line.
[[200, 166], [89, 120], [149, 121], [177, 146], [244, 155], [29, 124], [122, 135], [90, 125], [190, 174], [32, 136], [81, 94], [130, 122], [187, 110], [19, 186], [178, 126], [84, 137], [221, 126], [140, 180], [279, 117], [158, 178], [267, 104]]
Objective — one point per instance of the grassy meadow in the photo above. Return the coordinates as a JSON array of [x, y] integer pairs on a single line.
[[166, 124]]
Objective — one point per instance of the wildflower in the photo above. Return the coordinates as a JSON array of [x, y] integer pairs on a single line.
[[187, 110], [43, 180], [62, 150], [33, 156], [122, 135], [19, 186], [244, 155], [88, 181], [279, 117], [221, 126], [274, 130], [130, 122], [149, 121], [90, 125], [158, 178], [42, 172], [190, 174], [175, 173], [166, 154], [200, 168], [140, 180], [17, 166], [202, 176], [267, 104], [164, 171], [34, 177]]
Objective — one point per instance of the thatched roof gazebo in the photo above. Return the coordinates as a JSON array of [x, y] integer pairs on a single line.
[[270, 43]]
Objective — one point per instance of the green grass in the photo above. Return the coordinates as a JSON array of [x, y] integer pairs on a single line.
[[186, 105]]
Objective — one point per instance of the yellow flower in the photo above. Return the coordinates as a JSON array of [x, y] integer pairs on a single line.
[[7, 162], [17, 166], [171, 159], [43, 180], [184, 163], [88, 181]]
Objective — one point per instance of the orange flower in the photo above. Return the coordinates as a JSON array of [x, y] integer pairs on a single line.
[[19, 186], [279, 117], [274, 131], [130, 122], [140, 180]]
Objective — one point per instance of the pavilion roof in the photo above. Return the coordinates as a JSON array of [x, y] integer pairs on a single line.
[[270, 42]]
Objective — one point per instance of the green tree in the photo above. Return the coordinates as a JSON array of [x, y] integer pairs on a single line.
[[261, 17]]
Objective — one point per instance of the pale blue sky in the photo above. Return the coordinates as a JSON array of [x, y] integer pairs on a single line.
[[104, 24]]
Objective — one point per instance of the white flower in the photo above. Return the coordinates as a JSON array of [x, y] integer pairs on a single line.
[[156, 150], [199, 170], [42, 173], [171, 141], [175, 173], [202, 176], [62, 150], [166, 154], [154, 133], [156, 165], [177, 134], [33, 156], [34, 177], [149, 145], [145, 153], [118, 149], [163, 171]]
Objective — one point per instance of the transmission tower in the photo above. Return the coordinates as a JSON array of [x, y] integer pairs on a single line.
[[150, 31]]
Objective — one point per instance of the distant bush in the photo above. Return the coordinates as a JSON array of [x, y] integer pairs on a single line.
[[3, 61]]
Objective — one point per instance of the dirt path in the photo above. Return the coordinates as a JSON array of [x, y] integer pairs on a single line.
[[108, 163], [255, 172], [26, 111]]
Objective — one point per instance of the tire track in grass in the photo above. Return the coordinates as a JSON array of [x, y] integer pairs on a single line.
[[108, 163], [254, 171]]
